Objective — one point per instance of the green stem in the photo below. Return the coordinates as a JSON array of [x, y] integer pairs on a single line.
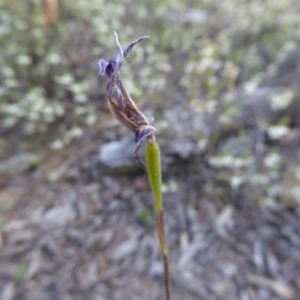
[[154, 176]]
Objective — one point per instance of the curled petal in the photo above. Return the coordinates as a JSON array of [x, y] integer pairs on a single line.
[[120, 57], [144, 132], [130, 46], [102, 66]]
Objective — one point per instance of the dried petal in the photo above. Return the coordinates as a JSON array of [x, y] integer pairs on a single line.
[[102, 66]]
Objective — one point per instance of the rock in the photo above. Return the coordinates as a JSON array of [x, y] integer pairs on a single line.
[[8, 291], [125, 248], [179, 148], [11, 195], [285, 70], [60, 215], [156, 269], [16, 225], [224, 220], [100, 239], [117, 156], [20, 237], [277, 286], [19, 163], [1, 239]]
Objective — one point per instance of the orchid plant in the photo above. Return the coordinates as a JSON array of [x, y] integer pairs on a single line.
[[126, 111]]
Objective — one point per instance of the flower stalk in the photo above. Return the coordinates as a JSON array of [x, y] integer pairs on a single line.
[[154, 176]]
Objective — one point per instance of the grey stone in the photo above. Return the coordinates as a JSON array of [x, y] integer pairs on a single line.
[[19, 163]]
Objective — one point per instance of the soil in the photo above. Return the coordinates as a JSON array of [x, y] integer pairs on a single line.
[[71, 230]]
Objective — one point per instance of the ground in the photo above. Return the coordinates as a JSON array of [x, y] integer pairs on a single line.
[[77, 234]]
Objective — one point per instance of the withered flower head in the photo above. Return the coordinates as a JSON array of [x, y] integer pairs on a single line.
[[120, 103]]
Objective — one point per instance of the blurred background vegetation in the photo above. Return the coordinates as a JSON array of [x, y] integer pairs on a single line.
[[204, 61]]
